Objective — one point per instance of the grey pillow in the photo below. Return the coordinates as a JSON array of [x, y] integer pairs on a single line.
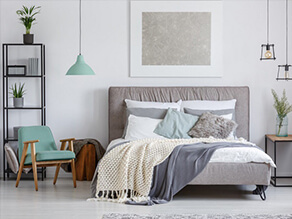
[[215, 112], [212, 125], [152, 113]]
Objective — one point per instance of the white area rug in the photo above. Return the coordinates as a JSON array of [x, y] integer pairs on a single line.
[[197, 216]]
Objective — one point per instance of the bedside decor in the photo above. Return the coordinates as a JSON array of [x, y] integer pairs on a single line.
[[283, 70], [18, 94], [80, 67], [27, 18], [282, 107], [176, 39], [268, 51]]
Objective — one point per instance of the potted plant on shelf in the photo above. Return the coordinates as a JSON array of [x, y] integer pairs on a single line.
[[27, 17], [18, 93], [282, 107]]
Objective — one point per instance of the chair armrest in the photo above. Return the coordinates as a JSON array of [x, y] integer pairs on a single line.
[[68, 139], [30, 142]]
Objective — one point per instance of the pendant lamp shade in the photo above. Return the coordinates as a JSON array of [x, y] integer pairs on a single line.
[[80, 67], [284, 70], [268, 50]]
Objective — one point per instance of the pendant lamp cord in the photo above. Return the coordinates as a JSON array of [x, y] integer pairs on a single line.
[[79, 27], [268, 21], [287, 32]]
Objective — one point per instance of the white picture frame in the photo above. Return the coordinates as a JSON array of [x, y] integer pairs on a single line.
[[214, 69]]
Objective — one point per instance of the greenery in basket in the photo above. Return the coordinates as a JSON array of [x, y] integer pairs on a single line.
[[17, 92], [282, 107], [27, 16]]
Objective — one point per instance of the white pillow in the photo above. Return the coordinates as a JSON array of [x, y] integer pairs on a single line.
[[141, 127], [159, 105], [208, 104]]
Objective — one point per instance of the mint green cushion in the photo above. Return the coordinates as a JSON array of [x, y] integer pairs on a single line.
[[50, 155], [176, 124]]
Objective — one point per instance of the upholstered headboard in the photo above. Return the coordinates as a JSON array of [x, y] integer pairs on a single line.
[[117, 105]]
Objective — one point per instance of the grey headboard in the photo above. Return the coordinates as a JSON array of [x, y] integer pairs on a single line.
[[117, 106]]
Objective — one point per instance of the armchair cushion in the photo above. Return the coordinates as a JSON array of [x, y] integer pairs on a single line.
[[50, 155]]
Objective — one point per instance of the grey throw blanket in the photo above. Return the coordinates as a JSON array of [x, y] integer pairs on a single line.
[[77, 146], [168, 177]]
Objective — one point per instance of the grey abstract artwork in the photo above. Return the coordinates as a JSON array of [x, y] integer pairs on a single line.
[[176, 38]]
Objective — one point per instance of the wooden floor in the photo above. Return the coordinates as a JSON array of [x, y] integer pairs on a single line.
[[63, 201]]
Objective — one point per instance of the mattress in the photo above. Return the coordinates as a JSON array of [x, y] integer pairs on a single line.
[[231, 166]]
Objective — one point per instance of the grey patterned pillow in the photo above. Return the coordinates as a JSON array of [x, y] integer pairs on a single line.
[[212, 125]]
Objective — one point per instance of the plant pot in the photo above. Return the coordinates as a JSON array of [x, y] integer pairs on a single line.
[[18, 102], [28, 38], [282, 126]]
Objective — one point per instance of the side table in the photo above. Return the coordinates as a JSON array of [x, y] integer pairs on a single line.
[[274, 139]]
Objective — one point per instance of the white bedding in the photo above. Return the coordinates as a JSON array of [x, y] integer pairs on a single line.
[[228, 155]]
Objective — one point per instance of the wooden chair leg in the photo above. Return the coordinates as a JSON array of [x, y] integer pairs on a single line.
[[34, 166], [19, 173], [24, 151], [35, 175], [57, 173], [73, 172]]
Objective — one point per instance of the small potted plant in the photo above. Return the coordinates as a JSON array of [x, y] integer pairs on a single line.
[[27, 17], [18, 93], [282, 107]]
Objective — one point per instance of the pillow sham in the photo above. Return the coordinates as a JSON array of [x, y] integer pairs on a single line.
[[152, 113], [176, 124], [141, 127], [159, 105], [208, 104], [212, 125]]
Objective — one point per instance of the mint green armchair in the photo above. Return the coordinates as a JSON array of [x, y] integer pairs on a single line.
[[37, 148]]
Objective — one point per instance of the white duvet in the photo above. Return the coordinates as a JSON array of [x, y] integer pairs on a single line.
[[228, 155]]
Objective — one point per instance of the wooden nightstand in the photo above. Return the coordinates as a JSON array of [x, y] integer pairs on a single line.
[[275, 140]]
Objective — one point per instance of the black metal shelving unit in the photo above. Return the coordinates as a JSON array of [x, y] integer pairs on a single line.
[[5, 95]]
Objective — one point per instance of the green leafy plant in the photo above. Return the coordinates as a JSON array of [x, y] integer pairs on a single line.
[[17, 92], [282, 107], [27, 16]]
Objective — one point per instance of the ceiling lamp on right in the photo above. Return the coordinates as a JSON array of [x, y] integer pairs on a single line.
[[267, 50], [283, 70]]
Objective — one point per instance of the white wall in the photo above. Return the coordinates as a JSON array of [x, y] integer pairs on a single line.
[[77, 106]]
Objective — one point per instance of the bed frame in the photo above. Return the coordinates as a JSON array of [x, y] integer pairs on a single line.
[[214, 173]]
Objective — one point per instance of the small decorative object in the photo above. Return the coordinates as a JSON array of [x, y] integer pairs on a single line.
[[282, 107], [27, 18], [15, 131], [18, 93], [268, 51], [33, 66], [16, 70], [283, 70], [80, 67]]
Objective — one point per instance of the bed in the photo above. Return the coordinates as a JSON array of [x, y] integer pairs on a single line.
[[214, 173]]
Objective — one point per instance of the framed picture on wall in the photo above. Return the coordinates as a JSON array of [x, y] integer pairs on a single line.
[[176, 39]]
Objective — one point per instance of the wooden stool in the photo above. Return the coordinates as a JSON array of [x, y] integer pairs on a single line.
[[86, 163]]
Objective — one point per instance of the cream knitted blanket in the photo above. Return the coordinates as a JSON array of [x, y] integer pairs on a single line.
[[125, 173]]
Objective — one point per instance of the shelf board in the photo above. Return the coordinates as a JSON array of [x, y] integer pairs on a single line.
[[21, 44], [23, 76], [11, 139], [24, 108]]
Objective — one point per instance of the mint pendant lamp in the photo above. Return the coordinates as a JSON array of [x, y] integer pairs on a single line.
[[80, 67]]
